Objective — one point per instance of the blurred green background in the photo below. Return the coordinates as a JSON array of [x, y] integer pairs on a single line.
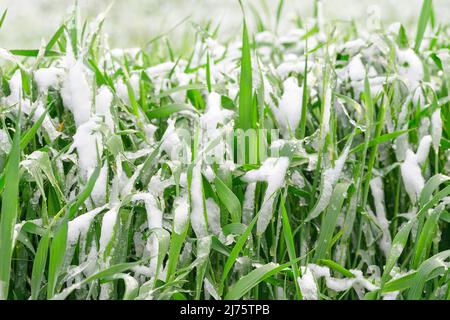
[[133, 22]]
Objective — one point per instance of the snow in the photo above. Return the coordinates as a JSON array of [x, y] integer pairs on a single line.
[[76, 93], [339, 285], [159, 74], [325, 126], [329, 179], [47, 124], [197, 210], [436, 129], [98, 193], [103, 102], [7, 55], [15, 88], [48, 78], [181, 214], [203, 247], [297, 179], [154, 213], [423, 149], [157, 185], [87, 141], [308, 286], [273, 171], [376, 186], [411, 171], [171, 142], [160, 69], [79, 226], [319, 271], [410, 67], [213, 214], [248, 208], [358, 283], [5, 143], [210, 289], [289, 110], [122, 90], [285, 68], [356, 70], [313, 272], [214, 114], [108, 222], [37, 109]]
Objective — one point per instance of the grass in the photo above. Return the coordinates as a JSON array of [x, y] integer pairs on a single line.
[[125, 214]]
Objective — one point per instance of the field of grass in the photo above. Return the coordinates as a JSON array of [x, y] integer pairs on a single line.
[[312, 163]]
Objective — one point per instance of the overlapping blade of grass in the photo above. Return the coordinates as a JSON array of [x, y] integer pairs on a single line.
[[10, 200], [290, 246], [302, 126], [249, 281], [102, 274], [279, 12], [431, 186], [235, 252], [229, 199], [167, 110], [29, 134], [398, 245], [131, 285], [329, 220], [39, 264], [2, 19], [430, 268], [56, 259], [426, 236], [163, 237], [246, 112], [336, 266], [425, 14]]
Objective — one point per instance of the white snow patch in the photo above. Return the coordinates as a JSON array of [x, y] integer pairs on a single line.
[[76, 94], [411, 171], [376, 186], [197, 209], [48, 78], [273, 171], [308, 286], [181, 214], [436, 129], [290, 106]]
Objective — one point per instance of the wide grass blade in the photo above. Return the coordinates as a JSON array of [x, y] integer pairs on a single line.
[[39, 263], [10, 200], [246, 112], [229, 199], [329, 220], [425, 14]]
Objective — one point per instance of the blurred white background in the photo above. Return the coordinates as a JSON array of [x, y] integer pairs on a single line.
[[133, 22]]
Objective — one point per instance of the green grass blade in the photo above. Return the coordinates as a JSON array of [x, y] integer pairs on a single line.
[[246, 112], [329, 221], [57, 254], [432, 267], [2, 19], [229, 199], [398, 245], [425, 14], [426, 236], [168, 110], [39, 263], [236, 250], [290, 245], [10, 199]]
